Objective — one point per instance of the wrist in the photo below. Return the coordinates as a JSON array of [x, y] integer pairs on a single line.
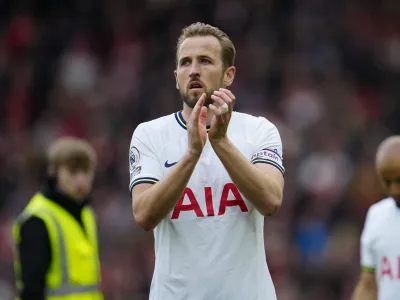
[[192, 156], [220, 143]]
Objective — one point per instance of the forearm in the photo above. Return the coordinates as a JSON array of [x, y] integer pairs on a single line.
[[264, 192], [156, 202], [364, 293]]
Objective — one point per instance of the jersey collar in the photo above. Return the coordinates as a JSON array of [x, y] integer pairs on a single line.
[[181, 121]]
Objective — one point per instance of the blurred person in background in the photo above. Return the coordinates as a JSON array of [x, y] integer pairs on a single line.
[[204, 178], [56, 247], [380, 240]]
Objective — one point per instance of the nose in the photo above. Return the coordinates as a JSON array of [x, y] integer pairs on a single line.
[[82, 179], [194, 70]]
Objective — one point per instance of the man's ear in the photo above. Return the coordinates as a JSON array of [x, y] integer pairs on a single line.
[[229, 75], [176, 80]]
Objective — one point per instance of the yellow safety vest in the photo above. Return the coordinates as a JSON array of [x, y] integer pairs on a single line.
[[74, 271]]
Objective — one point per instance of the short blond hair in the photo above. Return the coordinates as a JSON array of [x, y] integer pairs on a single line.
[[74, 153], [228, 51]]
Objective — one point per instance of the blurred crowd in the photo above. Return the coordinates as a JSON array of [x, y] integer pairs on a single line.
[[326, 72]]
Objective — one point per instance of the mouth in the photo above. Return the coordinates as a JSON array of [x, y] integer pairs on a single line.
[[195, 85]]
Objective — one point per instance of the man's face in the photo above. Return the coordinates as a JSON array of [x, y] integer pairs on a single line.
[[77, 184], [200, 69], [389, 170]]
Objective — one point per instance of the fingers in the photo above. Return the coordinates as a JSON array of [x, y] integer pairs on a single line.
[[217, 98], [225, 100], [201, 100], [203, 116], [229, 93], [216, 110], [230, 96], [197, 108], [199, 103], [219, 114], [224, 97]]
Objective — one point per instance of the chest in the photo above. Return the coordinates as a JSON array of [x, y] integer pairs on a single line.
[[387, 247], [210, 191], [209, 167], [388, 239]]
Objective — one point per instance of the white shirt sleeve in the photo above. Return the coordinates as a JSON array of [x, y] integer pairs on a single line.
[[367, 253], [268, 145], [144, 166]]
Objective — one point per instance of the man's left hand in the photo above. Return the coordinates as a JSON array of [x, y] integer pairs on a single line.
[[220, 121]]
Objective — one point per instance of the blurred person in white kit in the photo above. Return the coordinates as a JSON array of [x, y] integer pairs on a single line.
[[204, 178], [380, 239]]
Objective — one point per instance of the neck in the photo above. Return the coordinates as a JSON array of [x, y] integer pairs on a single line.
[[397, 202], [52, 191], [187, 111]]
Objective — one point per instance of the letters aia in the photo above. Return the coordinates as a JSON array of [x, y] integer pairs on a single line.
[[195, 207], [389, 269]]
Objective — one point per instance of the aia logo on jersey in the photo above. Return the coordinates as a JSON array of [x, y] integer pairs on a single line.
[[224, 202], [389, 269]]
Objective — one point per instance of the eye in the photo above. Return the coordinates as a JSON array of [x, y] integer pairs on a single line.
[[185, 62], [205, 61]]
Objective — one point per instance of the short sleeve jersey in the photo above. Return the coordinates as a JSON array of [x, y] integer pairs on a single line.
[[211, 244], [380, 247]]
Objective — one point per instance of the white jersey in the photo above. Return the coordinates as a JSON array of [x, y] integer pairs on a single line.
[[211, 244], [380, 247]]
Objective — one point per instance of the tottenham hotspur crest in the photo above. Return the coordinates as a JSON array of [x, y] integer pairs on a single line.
[[134, 158]]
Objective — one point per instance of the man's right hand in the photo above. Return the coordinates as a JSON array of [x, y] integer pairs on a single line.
[[152, 202], [197, 129]]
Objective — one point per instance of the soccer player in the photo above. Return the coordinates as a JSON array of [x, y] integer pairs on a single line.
[[204, 178], [380, 239]]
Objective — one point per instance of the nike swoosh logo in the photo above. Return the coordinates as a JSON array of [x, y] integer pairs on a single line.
[[169, 165]]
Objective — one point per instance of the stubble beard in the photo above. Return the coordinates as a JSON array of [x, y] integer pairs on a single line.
[[191, 100]]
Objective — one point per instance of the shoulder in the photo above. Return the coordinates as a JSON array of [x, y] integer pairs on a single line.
[[33, 237], [252, 122], [155, 125], [380, 209], [155, 134], [32, 225], [155, 131], [377, 215], [375, 221]]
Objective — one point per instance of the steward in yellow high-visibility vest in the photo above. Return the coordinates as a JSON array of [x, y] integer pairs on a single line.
[[56, 247]]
